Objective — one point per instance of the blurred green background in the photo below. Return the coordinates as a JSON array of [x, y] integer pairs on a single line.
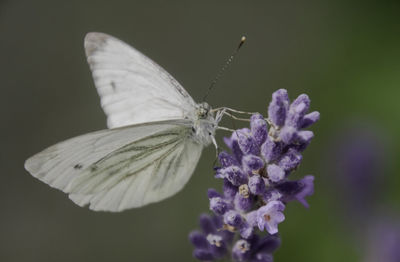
[[345, 55]]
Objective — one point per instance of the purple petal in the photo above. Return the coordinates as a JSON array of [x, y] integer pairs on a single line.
[[270, 215], [262, 257], [226, 159], [275, 173], [287, 134], [232, 143], [246, 231], [206, 224], [219, 206], [271, 195], [259, 128], [242, 203], [217, 245], [290, 160], [297, 190], [278, 107], [297, 111], [269, 244], [204, 255], [251, 218], [307, 190], [198, 240], [241, 250], [271, 150], [247, 143], [229, 190], [309, 119], [233, 218], [235, 175], [304, 136], [213, 193], [256, 185], [252, 163]]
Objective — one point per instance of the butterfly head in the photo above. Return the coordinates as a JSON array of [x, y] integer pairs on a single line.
[[205, 124], [203, 110]]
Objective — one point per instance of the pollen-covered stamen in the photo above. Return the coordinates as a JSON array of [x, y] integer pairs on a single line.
[[214, 240], [229, 228], [244, 190]]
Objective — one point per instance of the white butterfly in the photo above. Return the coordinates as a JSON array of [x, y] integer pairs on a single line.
[[156, 136]]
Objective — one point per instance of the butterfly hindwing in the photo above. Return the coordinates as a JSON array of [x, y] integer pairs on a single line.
[[116, 169]]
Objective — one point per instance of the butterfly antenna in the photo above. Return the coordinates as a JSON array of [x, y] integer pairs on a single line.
[[226, 65]]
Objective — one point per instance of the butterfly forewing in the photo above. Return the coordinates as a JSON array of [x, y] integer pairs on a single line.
[[132, 88]]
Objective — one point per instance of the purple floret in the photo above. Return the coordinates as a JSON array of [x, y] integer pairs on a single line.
[[275, 173], [271, 150], [247, 143], [219, 206], [210, 244], [270, 215], [258, 128], [235, 175], [290, 160], [252, 164], [309, 119], [256, 185], [278, 107], [297, 190]]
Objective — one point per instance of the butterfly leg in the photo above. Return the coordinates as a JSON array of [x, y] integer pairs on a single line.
[[226, 129], [233, 110], [236, 118], [215, 144], [224, 110]]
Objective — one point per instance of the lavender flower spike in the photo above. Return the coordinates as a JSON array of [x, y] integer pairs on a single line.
[[256, 183]]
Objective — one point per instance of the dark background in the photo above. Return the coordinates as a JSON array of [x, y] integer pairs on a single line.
[[345, 55]]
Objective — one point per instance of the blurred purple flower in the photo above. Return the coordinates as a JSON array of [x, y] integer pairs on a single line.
[[358, 167], [360, 157], [383, 240]]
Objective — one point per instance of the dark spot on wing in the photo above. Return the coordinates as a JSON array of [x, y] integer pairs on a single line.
[[78, 166], [193, 130], [93, 168], [113, 85]]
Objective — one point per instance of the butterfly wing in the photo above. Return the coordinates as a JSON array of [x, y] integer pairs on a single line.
[[117, 169], [132, 88]]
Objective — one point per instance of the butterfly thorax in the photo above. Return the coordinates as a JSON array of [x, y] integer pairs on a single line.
[[204, 126]]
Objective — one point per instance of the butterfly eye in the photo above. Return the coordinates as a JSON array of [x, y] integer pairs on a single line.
[[203, 112]]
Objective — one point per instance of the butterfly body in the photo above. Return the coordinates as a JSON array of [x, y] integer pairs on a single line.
[[205, 124]]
